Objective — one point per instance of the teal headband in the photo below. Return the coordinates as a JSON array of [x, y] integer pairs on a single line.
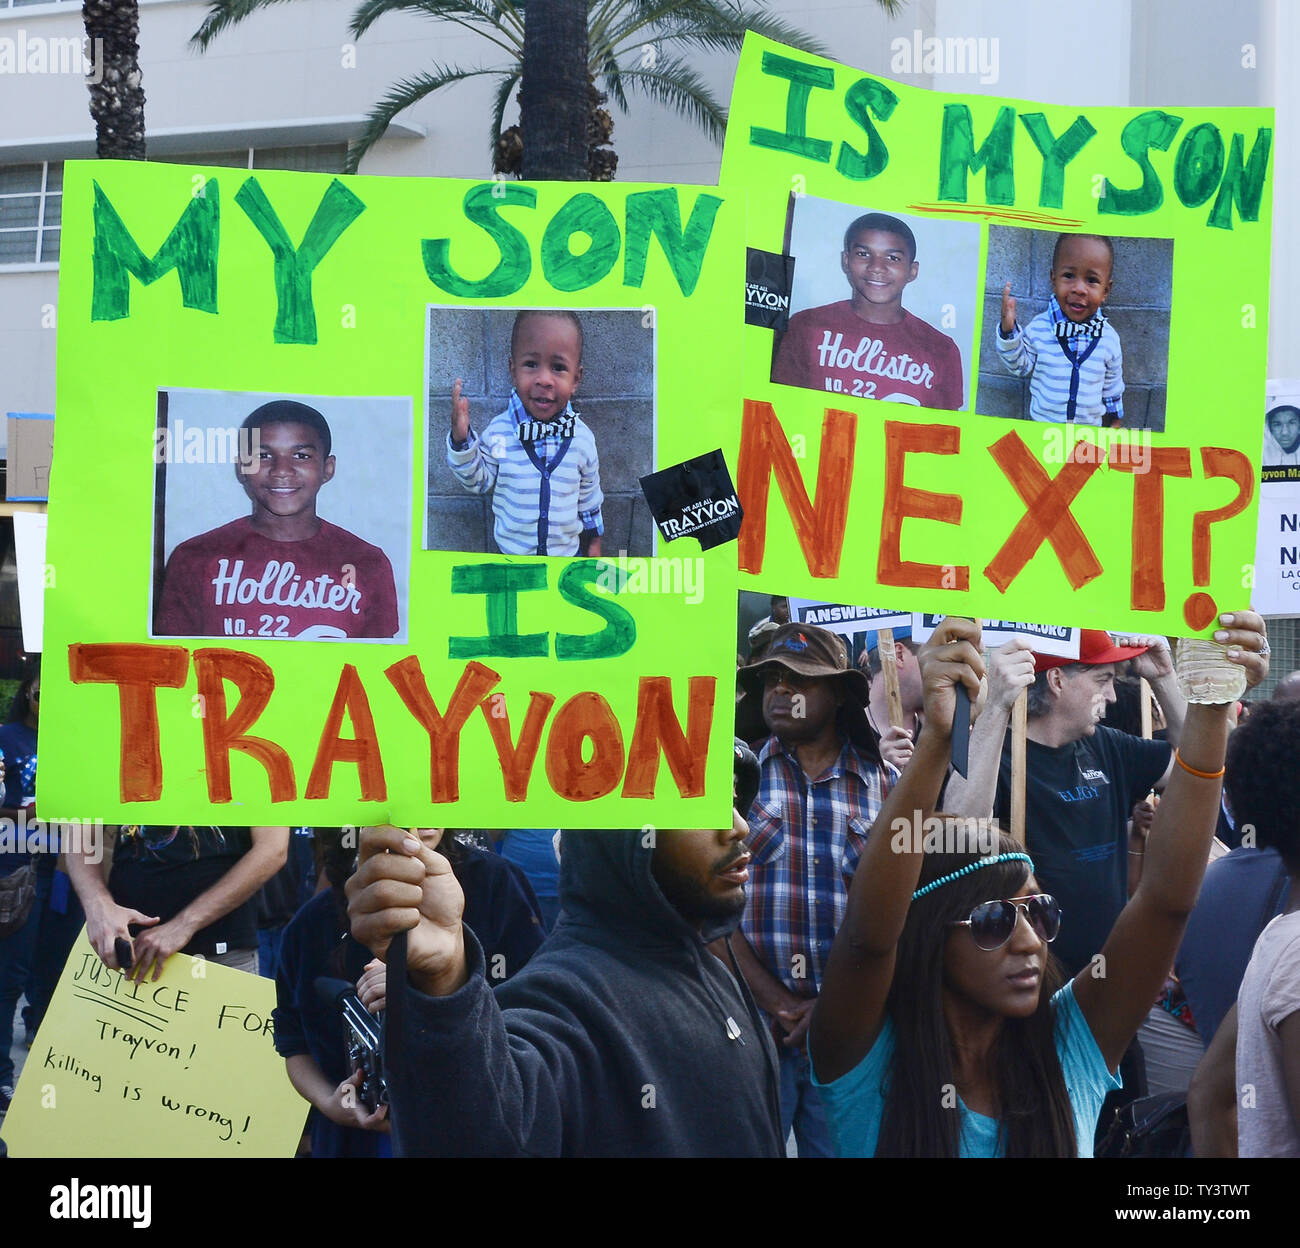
[[974, 866]]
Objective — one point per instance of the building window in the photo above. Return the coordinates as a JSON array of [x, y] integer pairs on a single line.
[[319, 158], [31, 208], [24, 4], [31, 196]]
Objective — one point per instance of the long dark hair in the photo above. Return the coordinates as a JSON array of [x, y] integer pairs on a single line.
[[1033, 1105]]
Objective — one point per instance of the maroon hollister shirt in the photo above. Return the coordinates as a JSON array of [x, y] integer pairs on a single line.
[[833, 349], [233, 582]]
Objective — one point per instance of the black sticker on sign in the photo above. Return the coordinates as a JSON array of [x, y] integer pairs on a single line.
[[695, 499], [768, 279]]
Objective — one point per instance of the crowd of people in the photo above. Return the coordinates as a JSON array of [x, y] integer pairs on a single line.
[[864, 964]]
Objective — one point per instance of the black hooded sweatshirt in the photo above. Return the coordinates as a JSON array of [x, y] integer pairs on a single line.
[[623, 1036]]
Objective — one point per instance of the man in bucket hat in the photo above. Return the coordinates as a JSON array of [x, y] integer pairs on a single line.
[[821, 786]]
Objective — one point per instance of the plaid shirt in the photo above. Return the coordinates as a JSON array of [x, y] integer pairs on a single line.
[[806, 838]]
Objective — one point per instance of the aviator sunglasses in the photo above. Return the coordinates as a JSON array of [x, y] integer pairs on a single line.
[[992, 922]]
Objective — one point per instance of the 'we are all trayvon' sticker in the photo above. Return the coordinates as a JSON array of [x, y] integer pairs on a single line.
[[695, 498]]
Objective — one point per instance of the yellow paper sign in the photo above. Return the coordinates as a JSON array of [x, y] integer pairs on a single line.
[[184, 1067], [1001, 358], [352, 579]]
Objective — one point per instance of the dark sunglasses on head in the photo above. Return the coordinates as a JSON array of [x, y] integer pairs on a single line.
[[992, 922]]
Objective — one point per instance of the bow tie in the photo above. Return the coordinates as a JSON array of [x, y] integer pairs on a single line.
[[1091, 328], [536, 430]]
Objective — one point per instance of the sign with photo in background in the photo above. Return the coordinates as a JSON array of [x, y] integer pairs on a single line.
[[1277, 549], [369, 453]]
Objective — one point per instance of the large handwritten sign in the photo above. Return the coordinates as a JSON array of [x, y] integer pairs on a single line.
[[309, 555], [182, 1067], [1017, 369]]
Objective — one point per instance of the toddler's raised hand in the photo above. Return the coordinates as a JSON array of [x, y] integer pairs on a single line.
[[459, 415], [1008, 311]]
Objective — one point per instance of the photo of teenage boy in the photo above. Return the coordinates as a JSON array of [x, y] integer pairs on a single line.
[[1070, 352], [282, 570], [1282, 436], [869, 345], [537, 458]]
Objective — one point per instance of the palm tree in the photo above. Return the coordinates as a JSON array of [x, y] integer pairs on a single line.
[[553, 102], [632, 46], [117, 99]]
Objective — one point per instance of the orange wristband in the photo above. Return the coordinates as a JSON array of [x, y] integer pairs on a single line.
[[1202, 775]]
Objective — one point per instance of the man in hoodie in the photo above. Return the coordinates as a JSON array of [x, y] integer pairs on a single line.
[[624, 1036]]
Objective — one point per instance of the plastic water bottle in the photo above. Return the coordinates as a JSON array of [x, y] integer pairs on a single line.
[[1204, 674]]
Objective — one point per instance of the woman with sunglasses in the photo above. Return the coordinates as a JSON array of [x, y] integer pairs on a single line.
[[943, 1028]]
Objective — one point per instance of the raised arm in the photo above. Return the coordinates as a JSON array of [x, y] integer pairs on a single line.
[[472, 464], [1156, 666], [1013, 347], [851, 1009], [1011, 670], [1116, 995]]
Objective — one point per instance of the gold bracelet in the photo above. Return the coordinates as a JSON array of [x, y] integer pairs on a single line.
[[1202, 775]]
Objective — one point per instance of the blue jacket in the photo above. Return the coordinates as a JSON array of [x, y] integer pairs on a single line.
[[615, 1040]]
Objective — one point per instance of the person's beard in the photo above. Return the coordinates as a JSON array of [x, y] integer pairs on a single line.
[[691, 898]]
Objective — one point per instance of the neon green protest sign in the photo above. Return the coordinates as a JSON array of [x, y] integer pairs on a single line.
[[329, 603], [1002, 358]]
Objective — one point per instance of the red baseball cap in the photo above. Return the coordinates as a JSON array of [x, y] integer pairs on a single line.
[[1095, 647]]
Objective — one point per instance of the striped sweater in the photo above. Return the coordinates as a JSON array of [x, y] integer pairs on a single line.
[[545, 493], [1078, 378]]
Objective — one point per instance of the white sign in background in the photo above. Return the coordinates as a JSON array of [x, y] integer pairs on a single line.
[[1277, 541], [29, 550], [1045, 638], [845, 620]]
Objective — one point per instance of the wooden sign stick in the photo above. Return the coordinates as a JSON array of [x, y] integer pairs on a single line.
[[1146, 707], [1018, 720], [889, 669]]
